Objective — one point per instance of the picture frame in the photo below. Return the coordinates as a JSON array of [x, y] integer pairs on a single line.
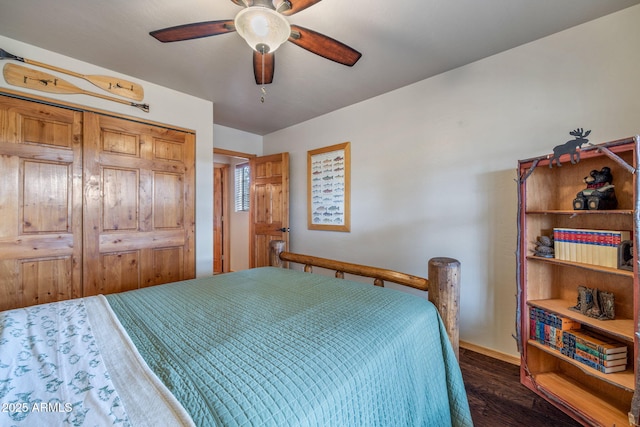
[[329, 188]]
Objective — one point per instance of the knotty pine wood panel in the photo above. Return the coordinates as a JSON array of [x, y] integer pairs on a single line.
[[40, 203], [168, 200], [53, 132], [167, 265], [46, 280], [46, 197], [261, 252], [168, 150], [121, 270], [120, 199], [138, 197], [120, 143]]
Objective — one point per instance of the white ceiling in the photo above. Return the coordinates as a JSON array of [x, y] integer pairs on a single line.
[[401, 42]]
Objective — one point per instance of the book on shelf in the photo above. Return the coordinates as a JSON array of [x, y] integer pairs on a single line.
[[597, 247], [594, 350], [622, 360], [598, 343], [602, 357], [599, 367], [547, 328], [552, 319]]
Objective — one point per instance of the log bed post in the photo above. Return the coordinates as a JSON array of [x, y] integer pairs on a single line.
[[444, 293], [443, 284], [276, 247]]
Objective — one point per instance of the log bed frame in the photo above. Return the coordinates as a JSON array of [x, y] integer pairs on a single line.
[[443, 283]]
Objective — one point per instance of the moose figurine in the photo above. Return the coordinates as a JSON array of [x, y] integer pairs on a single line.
[[570, 147]]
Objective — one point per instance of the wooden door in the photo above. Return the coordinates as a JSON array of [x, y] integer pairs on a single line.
[[220, 218], [40, 203], [269, 207], [138, 205]]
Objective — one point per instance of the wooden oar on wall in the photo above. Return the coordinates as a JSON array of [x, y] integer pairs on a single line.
[[114, 85], [18, 75]]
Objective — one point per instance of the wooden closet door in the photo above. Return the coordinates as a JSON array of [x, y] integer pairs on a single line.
[[40, 203], [138, 205]]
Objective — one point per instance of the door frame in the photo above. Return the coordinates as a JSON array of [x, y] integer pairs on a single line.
[[222, 200], [226, 245]]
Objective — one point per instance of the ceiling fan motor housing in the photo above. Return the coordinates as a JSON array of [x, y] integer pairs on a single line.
[[263, 28]]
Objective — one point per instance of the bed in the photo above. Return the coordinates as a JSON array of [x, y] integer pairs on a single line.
[[269, 346]]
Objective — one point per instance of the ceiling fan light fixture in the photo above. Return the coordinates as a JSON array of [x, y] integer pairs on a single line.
[[262, 28]]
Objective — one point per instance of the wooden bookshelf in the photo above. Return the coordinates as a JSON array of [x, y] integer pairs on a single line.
[[545, 200]]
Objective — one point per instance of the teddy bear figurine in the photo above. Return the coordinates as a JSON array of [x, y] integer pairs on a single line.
[[599, 194]]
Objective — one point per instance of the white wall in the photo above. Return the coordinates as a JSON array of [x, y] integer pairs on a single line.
[[433, 164], [236, 140], [166, 106]]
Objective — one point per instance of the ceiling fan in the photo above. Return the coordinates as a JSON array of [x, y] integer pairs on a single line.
[[263, 25]]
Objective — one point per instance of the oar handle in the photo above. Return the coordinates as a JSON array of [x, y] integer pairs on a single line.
[[6, 55], [143, 107], [53, 68]]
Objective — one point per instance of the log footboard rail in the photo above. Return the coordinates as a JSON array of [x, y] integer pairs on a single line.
[[442, 285]]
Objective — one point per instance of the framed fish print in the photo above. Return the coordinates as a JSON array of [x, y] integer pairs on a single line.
[[329, 188]]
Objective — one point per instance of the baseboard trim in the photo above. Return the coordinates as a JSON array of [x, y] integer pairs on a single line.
[[491, 353]]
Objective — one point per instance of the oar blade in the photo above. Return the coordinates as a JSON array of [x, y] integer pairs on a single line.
[[117, 86], [18, 75]]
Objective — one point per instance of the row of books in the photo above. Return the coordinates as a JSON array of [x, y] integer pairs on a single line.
[[565, 335], [596, 351], [547, 328], [598, 247]]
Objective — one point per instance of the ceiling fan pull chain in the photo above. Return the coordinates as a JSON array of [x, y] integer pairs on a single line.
[[263, 89]]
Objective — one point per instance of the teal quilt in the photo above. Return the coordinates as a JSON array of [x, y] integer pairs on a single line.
[[275, 347]]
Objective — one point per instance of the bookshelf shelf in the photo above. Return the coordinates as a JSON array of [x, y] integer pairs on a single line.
[[548, 287], [582, 401], [623, 379], [580, 265], [620, 328], [580, 213]]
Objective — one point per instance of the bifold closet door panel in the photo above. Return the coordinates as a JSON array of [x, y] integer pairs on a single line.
[[138, 205], [40, 203]]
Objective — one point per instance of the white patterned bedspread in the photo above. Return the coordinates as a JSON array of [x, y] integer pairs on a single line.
[[70, 363]]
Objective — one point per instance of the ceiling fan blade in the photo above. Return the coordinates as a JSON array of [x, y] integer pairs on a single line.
[[193, 31], [324, 46], [269, 64], [243, 3], [298, 5]]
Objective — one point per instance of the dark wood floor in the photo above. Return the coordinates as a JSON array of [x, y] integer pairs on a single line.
[[497, 398]]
